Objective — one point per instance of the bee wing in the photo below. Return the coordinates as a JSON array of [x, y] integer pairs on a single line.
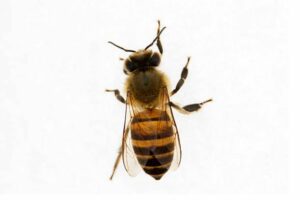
[[128, 156], [177, 149], [129, 159], [177, 153]]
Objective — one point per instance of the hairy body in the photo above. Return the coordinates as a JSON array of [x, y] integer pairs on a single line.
[[145, 86]]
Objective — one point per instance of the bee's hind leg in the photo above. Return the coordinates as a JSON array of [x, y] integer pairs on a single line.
[[184, 74], [189, 108], [117, 94], [119, 153], [116, 163]]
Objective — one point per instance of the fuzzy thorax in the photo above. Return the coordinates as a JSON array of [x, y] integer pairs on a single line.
[[145, 87]]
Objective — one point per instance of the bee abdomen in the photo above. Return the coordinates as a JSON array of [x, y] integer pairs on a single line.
[[153, 142]]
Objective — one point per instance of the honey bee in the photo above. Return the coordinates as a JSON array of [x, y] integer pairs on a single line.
[[150, 136]]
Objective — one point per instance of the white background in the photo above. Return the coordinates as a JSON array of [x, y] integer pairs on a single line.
[[59, 130]]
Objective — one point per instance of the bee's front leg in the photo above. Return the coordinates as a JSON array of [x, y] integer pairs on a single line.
[[117, 94], [183, 76]]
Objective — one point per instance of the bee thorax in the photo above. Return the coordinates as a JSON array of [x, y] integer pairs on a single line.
[[145, 86]]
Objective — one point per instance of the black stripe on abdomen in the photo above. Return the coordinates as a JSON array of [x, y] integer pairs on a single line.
[[154, 150], [155, 161], [156, 171], [163, 116], [156, 167], [165, 133]]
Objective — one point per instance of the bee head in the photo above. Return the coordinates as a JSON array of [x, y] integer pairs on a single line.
[[141, 60]]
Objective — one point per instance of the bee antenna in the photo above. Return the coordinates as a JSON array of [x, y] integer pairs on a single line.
[[127, 50], [155, 38]]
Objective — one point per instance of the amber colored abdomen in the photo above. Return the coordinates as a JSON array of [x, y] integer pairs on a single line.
[[153, 141]]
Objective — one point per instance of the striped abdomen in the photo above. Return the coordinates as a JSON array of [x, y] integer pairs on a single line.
[[153, 141]]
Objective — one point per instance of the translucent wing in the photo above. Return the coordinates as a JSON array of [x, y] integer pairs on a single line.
[[177, 153], [129, 158], [177, 149]]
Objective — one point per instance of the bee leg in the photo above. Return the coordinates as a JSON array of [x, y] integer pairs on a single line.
[[158, 43], [189, 108], [118, 95], [116, 163], [183, 76], [119, 154]]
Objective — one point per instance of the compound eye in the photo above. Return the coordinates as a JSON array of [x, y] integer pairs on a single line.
[[129, 66], [154, 60]]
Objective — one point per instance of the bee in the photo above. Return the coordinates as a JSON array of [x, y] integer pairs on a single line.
[[150, 138]]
